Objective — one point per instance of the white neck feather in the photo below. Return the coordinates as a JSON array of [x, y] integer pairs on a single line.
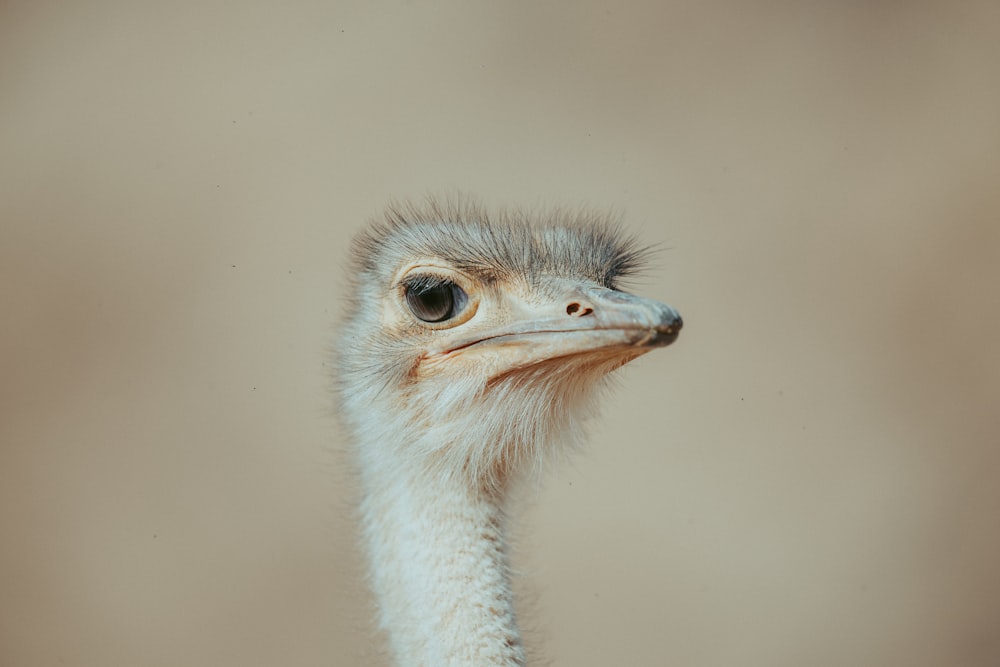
[[434, 466], [439, 570]]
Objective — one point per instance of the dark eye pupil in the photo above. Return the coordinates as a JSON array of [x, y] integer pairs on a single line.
[[435, 303]]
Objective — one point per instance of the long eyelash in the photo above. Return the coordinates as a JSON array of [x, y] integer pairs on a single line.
[[424, 282]]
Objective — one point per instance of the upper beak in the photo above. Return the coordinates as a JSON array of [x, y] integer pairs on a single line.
[[585, 320], [657, 324]]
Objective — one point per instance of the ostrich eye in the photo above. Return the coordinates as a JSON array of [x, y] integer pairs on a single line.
[[432, 299]]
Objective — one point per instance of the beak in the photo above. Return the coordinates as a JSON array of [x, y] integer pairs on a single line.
[[586, 320]]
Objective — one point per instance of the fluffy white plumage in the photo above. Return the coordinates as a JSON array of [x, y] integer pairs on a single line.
[[472, 347]]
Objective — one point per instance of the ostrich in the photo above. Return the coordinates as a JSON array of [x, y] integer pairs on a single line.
[[471, 350]]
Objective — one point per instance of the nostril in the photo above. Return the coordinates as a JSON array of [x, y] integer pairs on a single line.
[[578, 310]]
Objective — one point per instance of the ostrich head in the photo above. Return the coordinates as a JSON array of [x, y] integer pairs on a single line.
[[472, 348]]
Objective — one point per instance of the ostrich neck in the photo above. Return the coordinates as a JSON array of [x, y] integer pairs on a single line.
[[439, 569]]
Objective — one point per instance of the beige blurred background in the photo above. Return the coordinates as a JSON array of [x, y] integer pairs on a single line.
[[810, 477]]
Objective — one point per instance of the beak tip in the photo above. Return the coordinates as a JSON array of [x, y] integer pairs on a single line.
[[668, 330]]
